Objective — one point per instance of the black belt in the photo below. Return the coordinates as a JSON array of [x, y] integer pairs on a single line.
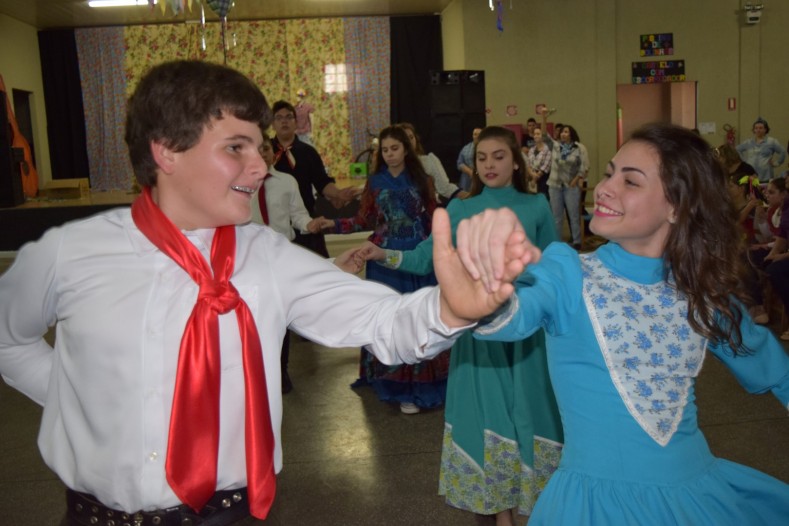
[[225, 507]]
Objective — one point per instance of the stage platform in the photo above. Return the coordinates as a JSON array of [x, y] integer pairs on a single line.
[[29, 220]]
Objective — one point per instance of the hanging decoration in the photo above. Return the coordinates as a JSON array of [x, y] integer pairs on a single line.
[[221, 8], [202, 27], [498, 6], [176, 5]]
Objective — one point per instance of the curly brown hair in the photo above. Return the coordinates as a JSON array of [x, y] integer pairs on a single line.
[[703, 247]]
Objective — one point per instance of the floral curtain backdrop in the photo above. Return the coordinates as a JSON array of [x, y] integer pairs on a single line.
[[103, 83], [281, 56], [367, 59]]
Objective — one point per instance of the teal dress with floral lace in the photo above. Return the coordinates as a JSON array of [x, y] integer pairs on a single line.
[[623, 363], [502, 434]]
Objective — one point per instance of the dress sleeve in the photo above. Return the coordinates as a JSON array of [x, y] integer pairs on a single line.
[[549, 296], [365, 219], [27, 310], [765, 369]]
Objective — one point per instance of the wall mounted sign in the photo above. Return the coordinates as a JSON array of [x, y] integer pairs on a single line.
[[657, 45], [659, 71]]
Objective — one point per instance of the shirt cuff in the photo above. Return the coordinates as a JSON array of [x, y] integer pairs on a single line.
[[393, 259], [503, 316]]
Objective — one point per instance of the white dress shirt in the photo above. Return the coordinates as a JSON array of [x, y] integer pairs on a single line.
[[284, 205], [120, 306]]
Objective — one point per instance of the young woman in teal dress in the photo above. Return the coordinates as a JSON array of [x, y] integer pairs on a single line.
[[628, 327], [502, 434], [397, 204]]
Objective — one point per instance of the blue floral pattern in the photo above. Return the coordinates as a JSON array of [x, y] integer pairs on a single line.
[[650, 350]]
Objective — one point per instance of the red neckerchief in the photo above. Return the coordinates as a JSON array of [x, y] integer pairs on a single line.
[[193, 441], [288, 155]]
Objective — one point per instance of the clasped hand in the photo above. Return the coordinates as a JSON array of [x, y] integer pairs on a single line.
[[476, 277]]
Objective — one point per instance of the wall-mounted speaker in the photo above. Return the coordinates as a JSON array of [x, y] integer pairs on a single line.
[[457, 106]]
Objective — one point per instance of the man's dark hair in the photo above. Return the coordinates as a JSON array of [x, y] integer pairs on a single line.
[[175, 101]]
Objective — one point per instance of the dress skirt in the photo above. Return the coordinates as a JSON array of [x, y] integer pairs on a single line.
[[424, 383], [503, 434]]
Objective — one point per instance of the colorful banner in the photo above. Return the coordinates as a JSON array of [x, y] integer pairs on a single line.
[[662, 71], [657, 45]]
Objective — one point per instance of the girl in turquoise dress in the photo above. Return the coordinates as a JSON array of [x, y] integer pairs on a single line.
[[627, 329], [502, 434], [397, 204]]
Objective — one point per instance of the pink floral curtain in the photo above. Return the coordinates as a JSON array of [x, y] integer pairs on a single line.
[[103, 82], [367, 58]]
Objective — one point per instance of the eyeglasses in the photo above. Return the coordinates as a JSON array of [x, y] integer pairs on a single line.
[[282, 118]]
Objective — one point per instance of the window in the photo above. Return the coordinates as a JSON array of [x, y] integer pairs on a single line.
[[336, 78]]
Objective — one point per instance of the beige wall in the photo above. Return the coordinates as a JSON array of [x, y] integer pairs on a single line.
[[20, 67], [572, 54]]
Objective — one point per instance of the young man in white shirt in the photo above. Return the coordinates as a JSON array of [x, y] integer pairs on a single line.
[[161, 393]]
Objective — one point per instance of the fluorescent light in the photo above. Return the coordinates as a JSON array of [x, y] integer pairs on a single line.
[[116, 3]]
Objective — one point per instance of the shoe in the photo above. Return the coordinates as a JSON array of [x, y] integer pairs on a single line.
[[287, 385], [785, 336], [759, 315], [409, 408]]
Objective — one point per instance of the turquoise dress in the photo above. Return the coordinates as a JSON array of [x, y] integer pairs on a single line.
[[502, 434], [623, 362]]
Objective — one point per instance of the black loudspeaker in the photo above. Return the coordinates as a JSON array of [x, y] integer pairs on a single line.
[[457, 106], [11, 193]]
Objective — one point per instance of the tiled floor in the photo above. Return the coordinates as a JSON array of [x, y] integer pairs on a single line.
[[352, 460]]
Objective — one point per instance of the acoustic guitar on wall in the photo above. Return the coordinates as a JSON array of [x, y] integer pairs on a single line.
[[21, 155]]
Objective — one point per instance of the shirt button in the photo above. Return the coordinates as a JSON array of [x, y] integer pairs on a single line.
[[153, 456]]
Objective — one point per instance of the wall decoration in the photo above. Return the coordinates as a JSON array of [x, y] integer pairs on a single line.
[[662, 71], [657, 44]]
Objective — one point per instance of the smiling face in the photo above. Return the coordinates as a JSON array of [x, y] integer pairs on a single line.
[[393, 154], [212, 183], [630, 202], [537, 135], [495, 163]]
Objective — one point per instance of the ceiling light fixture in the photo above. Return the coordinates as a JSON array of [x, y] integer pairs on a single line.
[[116, 3]]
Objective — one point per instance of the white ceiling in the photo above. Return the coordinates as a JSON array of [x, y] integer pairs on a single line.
[[49, 14]]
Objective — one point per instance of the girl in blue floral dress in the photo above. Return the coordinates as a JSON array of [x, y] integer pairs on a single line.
[[397, 204], [628, 327]]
